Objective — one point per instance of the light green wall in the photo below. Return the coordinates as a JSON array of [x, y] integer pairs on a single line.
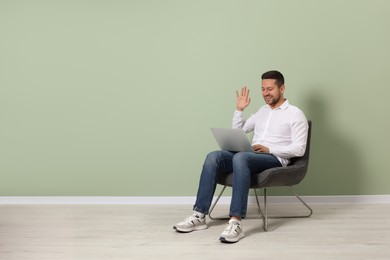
[[117, 97]]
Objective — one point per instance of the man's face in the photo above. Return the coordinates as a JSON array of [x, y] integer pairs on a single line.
[[272, 94]]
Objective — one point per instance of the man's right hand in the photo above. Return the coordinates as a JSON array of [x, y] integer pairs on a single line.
[[243, 99]]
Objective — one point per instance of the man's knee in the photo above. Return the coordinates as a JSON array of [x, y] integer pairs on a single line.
[[212, 157], [240, 158]]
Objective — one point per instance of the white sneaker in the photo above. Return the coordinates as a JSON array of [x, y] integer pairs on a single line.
[[233, 232], [196, 221]]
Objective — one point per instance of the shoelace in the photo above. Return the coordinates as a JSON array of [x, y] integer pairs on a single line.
[[191, 219], [231, 225]]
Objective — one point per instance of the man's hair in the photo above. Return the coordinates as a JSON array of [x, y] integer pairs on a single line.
[[276, 75]]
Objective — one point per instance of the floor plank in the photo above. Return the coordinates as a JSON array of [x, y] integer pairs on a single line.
[[335, 231]]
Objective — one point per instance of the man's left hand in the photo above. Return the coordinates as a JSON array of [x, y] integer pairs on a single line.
[[258, 148]]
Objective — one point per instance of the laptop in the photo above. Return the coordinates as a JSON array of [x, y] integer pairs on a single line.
[[231, 139]]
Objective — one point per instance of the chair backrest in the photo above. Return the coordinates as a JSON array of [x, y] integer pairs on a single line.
[[304, 160]]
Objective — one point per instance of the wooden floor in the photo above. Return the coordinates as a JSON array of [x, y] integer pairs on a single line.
[[353, 231]]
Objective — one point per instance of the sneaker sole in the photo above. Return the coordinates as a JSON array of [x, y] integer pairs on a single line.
[[182, 230], [231, 241]]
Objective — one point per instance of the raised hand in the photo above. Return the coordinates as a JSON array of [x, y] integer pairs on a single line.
[[243, 99]]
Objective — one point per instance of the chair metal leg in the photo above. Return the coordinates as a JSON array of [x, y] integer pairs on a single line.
[[214, 204], [265, 216], [304, 203]]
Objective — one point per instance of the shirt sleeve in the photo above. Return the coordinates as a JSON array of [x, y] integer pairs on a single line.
[[248, 125], [299, 132]]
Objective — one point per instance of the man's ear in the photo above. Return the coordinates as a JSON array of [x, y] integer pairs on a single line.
[[282, 88]]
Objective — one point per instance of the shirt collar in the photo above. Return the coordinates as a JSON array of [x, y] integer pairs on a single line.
[[283, 106]]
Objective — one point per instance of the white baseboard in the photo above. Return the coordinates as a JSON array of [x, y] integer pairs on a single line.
[[130, 200]]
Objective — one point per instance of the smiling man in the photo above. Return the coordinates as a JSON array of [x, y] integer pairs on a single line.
[[280, 133]]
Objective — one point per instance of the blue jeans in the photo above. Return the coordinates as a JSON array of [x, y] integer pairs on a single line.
[[242, 164]]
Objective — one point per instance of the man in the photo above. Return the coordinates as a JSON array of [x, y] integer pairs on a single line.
[[280, 133]]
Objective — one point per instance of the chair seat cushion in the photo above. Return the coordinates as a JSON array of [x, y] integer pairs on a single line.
[[279, 176]]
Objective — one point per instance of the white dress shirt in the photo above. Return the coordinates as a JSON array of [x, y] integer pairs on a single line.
[[283, 130]]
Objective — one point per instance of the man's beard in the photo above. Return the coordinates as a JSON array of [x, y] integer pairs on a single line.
[[272, 100]]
